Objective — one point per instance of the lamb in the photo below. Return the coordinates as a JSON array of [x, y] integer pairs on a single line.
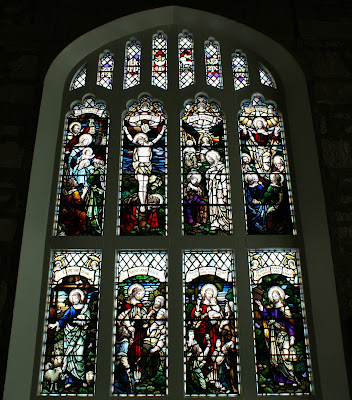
[[52, 375]]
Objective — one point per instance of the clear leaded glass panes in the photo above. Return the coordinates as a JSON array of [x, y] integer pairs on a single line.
[[213, 68], [280, 332], [266, 77], [265, 174], [105, 70], [240, 70], [143, 169], [140, 346], [185, 59], [71, 325], [206, 188], [159, 60], [211, 359], [81, 192], [79, 78], [132, 75]]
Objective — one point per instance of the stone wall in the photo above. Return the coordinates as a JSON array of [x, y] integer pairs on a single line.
[[317, 33]]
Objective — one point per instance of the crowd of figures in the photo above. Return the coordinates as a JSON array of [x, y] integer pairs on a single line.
[[211, 351], [265, 173], [83, 177], [140, 345]]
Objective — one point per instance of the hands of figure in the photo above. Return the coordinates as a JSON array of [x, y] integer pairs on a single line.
[[54, 326], [260, 305], [292, 340]]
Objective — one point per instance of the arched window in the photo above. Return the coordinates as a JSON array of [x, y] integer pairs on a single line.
[[168, 249]]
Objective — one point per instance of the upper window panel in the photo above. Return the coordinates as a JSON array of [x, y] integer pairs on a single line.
[[213, 68], [206, 186], [143, 170], [79, 79], [81, 192], [267, 188], [159, 61], [132, 75], [105, 70], [266, 77], [240, 70], [185, 60]]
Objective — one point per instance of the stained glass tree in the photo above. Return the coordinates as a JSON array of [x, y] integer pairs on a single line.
[[186, 59], [71, 327], [206, 188], [265, 174], [105, 70], [132, 74], [280, 331], [213, 69], [211, 359], [159, 60], [81, 191], [79, 78], [143, 169], [240, 70], [140, 346]]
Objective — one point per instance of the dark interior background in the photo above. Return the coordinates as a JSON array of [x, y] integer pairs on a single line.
[[318, 33]]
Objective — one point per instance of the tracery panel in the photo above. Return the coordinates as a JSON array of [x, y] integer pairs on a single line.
[[213, 68], [79, 78], [186, 60], [105, 70], [140, 347], [132, 72], [71, 327], [240, 70], [211, 358], [266, 77], [159, 60], [280, 331], [81, 192]]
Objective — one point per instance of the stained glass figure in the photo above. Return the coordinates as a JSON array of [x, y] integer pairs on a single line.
[[266, 77], [71, 333], [266, 179], [79, 79], [140, 347], [105, 70], [132, 75], [211, 358], [185, 60], [213, 68], [143, 169], [240, 70], [159, 67], [206, 189], [81, 193], [280, 333]]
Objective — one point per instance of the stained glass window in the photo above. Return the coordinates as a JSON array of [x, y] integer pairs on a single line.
[[280, 331], [213, 68], [144, 169], [185, 60], [79, 79], [265, 174], [159, 61], [240, 70], [71, 327], [132, 75], [211, 359], [81, 192], [266, 77], [140, 346], [105, 70], [206, 187]]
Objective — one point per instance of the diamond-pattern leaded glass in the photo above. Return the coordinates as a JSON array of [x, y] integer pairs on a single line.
[[159, 67], [105, 70], [211, 358], [206, 186], [81, 192], [71, 326], [213, 68], [140, 345], [79, 79], [186, 60], [282, 352], [240, 70], [266, 77], [132, 75], [143, 173], [265, 174]]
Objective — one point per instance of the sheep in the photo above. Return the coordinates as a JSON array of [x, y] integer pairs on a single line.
[[52, 375]]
